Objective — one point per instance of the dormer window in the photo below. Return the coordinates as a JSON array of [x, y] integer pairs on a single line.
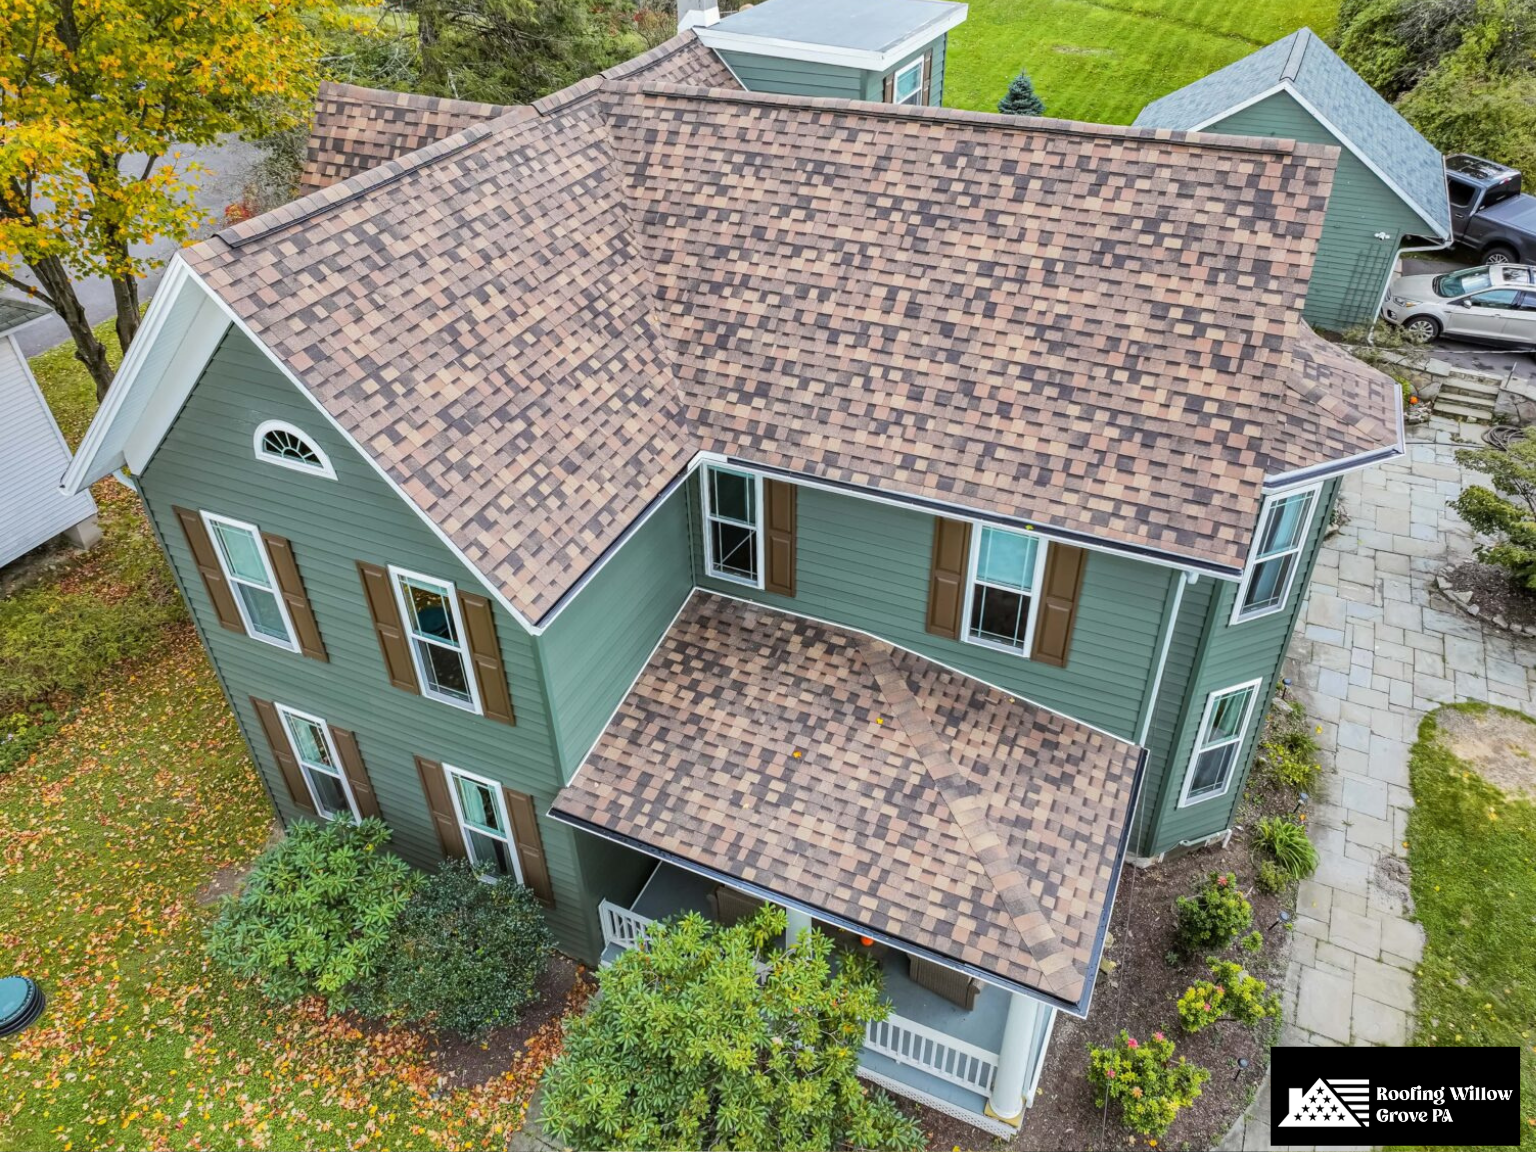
[[282, 444]]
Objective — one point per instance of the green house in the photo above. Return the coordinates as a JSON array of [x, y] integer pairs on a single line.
[[674, 498], [1389, 191]]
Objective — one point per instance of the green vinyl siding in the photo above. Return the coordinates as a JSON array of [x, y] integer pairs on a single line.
[[596, 647], [865, 565], [806, 78], [874, 82], [795, 77], [207, 462], [1352, 266], [1227, 655]]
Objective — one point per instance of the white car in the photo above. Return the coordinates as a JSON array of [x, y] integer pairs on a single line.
[[1493, 303]]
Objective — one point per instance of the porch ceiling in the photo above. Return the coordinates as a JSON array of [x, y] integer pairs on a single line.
[[872, 785]]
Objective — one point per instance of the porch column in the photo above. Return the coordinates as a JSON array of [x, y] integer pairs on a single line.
[[798, 920], [1007, 1102]]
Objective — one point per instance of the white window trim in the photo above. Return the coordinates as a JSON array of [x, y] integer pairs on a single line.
[[449, 772], [1242, 739], [470, 676], [757, 504], [1042, 545], [322, 469], [209, 520], [1273, 498], [286, 712], [917, 92]]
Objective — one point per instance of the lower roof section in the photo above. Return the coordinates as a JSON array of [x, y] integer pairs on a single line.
[[872, 787]]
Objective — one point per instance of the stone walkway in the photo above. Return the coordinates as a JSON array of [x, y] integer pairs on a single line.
[[1376, 651]]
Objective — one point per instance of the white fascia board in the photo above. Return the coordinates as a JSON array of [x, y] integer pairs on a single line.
[[101, 449], [363, 454], [863, 58]]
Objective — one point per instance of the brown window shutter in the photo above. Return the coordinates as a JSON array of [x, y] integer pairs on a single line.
[[928, 78], [207, 561], [280, 552], [779, 526], [388, 627], [890, 87], [434, 782], [946, 577], [480, 624], [282, 752], [1064, 565], [357, 775], [530, 846]]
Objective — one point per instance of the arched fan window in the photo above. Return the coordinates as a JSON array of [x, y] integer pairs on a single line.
[[284, 445]]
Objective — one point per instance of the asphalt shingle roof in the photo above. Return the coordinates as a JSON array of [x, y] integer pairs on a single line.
[[534, 325], [1385, 140], [862, 780]]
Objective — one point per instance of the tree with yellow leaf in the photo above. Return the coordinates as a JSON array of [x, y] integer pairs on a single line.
[[96, 96]]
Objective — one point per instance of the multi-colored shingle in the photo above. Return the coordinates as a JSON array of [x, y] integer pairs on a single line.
[[536, 323], [859, 779]]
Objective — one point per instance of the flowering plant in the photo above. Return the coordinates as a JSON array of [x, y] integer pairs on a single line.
[[1232, 994], [1143, 1077]]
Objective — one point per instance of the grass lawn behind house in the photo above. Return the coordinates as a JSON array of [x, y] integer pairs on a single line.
[[1472, 850], [113, 815], [1103, 60]]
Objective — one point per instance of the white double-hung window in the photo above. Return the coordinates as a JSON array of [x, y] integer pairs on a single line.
[[733, 528], [482, 812], [907, 85], [1001, 593], [1219, 743], [1276, 554], [321, 767], [244, 561], [435, 629]]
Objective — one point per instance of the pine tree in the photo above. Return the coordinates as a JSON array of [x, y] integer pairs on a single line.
[[1021, 99]]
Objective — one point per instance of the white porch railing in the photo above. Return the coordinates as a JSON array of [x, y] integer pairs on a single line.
[[621, 926], [917, 1046]]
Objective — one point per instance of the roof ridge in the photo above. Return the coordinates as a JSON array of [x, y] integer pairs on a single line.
[[968, 813], [1300, 40]]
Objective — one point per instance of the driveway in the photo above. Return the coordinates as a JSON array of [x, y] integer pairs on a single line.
[[227, 163], [1377, 649]]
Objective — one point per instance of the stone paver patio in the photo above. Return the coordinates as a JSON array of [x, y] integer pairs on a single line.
[[1375, 652]]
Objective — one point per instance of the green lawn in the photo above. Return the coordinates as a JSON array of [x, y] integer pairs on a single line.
[[137, 796], [1104, 60], [1472, 851]]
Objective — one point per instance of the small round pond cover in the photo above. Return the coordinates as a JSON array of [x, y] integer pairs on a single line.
[[21, 1002]]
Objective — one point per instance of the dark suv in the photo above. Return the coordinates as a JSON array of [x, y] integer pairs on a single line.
[[1489, 212]]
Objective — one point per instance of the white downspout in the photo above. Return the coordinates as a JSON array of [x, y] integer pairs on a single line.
[[798, 921]]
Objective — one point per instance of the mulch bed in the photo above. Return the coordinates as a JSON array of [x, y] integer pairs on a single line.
[[1140, 995], [1487, 592], [465, 1063]]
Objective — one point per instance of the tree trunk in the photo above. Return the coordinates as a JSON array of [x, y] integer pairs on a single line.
[[51, 274], [125, 294]]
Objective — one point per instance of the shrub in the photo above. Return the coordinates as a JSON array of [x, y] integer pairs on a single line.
[[1271, 878], [1146, 1081], [1508, 511], [1253, 942], [1288, 748], [1287, 843], [1021, 99], [687, 1047], [24, 732], [1232, 994], [316, 912], [1214, 916], [465, 954]]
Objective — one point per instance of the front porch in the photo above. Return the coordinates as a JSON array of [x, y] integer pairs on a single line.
[[931, 1048]]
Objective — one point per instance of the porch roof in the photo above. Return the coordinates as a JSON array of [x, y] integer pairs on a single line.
[[871, 786]]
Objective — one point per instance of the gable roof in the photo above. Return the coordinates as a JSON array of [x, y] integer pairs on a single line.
[[533, 326], [872, 786], [1306, 68], [18, 310]]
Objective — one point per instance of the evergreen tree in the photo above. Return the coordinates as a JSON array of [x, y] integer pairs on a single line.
[[1021, 99]]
